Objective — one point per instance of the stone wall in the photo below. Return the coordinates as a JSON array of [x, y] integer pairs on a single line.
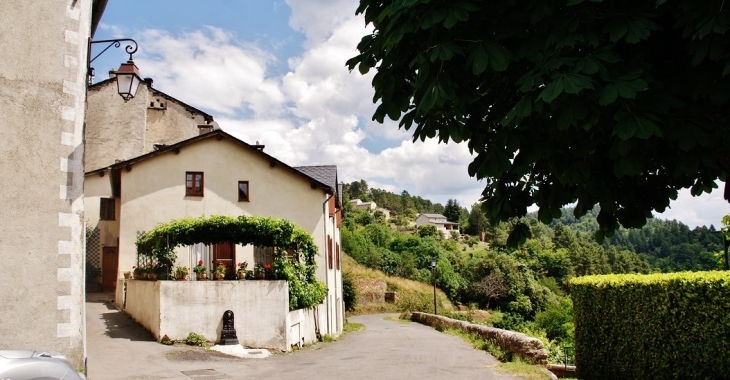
[[529, 347], [370, 290]]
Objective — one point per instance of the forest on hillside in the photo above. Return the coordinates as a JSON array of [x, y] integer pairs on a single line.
[[527, 283]]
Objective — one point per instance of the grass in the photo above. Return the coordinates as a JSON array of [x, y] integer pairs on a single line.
[[523, 370], [393, 284], [347, 328]]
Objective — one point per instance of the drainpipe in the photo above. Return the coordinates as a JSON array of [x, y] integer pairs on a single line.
[[326, 258]]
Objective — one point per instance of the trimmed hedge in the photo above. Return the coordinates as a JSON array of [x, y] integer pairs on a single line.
[[658, 326]]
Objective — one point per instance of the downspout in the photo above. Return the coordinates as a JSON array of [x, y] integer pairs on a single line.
[[326, 268]]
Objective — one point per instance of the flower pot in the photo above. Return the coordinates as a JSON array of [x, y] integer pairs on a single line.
[[241, 275], [152, 276], [261, 276], [219, 276], [141, 276], [201, 276], [181, 276], [127, 276]]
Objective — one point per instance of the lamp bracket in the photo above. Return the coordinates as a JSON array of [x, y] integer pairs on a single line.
[[130, 49]]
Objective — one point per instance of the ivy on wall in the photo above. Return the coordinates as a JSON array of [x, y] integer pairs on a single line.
[[304, 289]]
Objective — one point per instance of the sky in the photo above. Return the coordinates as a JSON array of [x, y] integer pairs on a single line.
[[274, 72]]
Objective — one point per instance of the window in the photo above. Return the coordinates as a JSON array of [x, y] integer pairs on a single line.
[[338, 256], [263, 255], [329, 251], [243, 191], [194, 184], [107, 208]]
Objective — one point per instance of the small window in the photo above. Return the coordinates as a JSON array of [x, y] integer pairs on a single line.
[[107, 208], [243, 192], [194, 184], [263, 255]]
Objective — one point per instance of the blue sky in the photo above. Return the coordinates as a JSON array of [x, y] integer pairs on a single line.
[[274, 72]]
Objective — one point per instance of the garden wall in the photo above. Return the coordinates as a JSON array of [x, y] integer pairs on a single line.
[[659, 326], [261, 311], [531, 348]]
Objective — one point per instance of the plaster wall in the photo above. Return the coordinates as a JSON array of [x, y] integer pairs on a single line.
[[114, 128], [302, 326], [153, 192], [118, 130], [169, 123], [176, 308], [42, 98], [95, 188]]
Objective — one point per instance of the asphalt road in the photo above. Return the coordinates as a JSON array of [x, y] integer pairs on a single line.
[[118, 348]]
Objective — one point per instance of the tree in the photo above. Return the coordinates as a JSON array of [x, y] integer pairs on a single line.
[[617, 103], [492, 287], [452, 211]]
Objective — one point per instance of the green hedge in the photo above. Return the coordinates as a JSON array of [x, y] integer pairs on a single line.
[[658, 326]]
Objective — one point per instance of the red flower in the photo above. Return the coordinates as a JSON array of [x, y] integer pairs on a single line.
[[133, 266], [200, 262], [267, 266]]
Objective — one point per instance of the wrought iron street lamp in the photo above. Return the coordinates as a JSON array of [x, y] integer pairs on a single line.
[[127, 76], [433, 274]]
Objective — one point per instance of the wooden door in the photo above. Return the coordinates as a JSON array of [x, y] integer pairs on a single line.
[[109, 266], [225, 253]]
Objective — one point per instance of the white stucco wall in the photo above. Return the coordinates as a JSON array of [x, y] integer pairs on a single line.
[[177, 308], [42, 98]]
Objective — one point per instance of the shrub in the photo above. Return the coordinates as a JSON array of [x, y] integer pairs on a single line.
[[415, 301], [349, 291], [659, 326], [194, 339]]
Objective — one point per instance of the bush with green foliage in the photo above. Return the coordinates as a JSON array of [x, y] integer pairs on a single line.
[[194, 339], [349, 291], [658, 326]]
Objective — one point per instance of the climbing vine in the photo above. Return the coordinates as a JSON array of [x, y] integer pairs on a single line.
[[304, 289]]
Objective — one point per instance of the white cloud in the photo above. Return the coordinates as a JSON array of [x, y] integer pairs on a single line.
[[704, 210], [318, 18], [211, 69]]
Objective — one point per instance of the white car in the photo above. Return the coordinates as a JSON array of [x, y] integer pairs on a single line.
[[36, 365]]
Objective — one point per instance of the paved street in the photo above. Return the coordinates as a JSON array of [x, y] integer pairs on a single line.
[[119, 349]]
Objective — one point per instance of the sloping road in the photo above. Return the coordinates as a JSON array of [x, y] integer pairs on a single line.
[[120, 349]]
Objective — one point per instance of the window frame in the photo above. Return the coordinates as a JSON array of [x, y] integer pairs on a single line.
[[107, 209], [191, 191], [248, 191]]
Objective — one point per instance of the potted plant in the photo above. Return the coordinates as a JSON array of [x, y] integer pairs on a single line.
[[241, 272], [127, 274], [261, 270], [220, 271], [201, 271], [181, 273]]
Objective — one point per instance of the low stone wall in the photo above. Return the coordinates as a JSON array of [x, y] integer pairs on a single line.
[[520, 343]]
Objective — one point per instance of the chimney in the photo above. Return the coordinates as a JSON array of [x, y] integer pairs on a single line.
[[112, 73], [148, 82], [259, 146]]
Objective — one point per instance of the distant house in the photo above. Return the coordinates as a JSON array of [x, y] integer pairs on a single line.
[[360, 205], [438, 220]]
